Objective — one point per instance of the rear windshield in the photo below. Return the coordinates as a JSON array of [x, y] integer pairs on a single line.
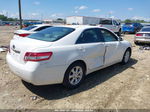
[[146, 29], [107, 22], [51, 34], [29, 28]]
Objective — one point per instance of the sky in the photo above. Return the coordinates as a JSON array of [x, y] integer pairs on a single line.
[[51, 9]]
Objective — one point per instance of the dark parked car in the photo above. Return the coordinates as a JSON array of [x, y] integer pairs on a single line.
[[131, 27]]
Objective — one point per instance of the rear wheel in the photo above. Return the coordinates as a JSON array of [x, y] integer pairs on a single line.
[[74, 75], [126, 56]]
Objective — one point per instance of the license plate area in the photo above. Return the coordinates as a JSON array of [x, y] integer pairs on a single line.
[[15, 55], [147, 36]]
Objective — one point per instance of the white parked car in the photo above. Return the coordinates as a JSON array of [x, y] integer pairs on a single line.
[[143, 36], [30, 30], [112, 24], [66, 54]]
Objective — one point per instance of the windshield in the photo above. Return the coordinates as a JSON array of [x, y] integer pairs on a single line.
[[51, 34], [146, 29], [29, 28], [107, 22]]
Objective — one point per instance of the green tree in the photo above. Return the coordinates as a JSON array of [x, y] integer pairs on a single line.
[[3, 18], [128, 21]]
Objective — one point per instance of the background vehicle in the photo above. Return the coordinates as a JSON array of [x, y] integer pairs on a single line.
[[143, 36], [30, 30], [112, 24], [66, 54], [131, 27], [1, 22]]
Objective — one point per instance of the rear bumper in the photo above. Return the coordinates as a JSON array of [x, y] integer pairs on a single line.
[[142, 41], [37, 74]]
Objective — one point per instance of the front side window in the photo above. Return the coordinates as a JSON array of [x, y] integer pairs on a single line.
[[108, 36], [115, 22], [51, 34], [90, 36]]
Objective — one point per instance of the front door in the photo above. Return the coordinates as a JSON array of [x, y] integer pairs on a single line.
[[112, 45]]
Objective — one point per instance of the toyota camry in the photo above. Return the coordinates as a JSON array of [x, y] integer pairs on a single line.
[[66, 54]]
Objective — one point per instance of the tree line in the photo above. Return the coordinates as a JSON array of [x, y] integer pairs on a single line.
[[5, 18], [135, 21]]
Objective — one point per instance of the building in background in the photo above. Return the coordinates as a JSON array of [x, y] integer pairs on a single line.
[[82, 20]]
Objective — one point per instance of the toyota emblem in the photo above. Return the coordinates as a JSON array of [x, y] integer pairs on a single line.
[[13, 46]]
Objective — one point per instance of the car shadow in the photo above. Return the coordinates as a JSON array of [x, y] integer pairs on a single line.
[[52, 92]]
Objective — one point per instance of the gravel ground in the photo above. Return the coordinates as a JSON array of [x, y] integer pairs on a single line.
[[115, 87]]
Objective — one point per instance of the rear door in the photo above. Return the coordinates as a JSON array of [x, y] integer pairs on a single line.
[[91, 47], [113, 47]]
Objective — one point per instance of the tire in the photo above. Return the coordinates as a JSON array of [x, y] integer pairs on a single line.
[[74, 75], [136, 43], [126, 56]]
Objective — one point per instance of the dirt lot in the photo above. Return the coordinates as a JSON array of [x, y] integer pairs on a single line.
[[116, 87]]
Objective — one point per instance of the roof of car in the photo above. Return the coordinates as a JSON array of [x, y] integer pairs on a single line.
[[79, 26]]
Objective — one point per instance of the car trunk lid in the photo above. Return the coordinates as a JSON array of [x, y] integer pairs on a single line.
[[18, 47]]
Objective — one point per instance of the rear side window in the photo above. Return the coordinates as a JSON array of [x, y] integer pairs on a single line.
[[107, 22], [42, 28], [51, 34], [90, 36], [29, 28], [108, 36]]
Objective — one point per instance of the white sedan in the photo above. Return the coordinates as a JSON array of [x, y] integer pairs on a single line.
[[66, 54], [30, 30]]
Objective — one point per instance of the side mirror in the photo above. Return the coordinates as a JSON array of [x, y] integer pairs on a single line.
[[120, 39]]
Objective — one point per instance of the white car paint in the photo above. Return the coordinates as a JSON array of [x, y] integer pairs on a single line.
[[31, 31], [65, 51]]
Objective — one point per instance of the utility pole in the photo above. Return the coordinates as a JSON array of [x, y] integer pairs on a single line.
[[20, 16]]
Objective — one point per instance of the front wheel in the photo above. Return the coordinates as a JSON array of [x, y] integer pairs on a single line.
[[126, 56], [74, 75]]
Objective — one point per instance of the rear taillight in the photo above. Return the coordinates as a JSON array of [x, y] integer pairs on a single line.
[[139, 34], [31, 56], [23, 35]]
